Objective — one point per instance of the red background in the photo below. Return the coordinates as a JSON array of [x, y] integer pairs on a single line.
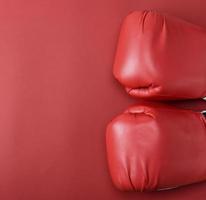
[[58, 93]]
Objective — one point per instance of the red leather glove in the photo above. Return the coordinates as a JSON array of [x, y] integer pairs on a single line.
[[154, 147], [161, 57]]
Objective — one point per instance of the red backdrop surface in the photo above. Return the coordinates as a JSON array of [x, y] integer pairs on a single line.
[[58, 93]]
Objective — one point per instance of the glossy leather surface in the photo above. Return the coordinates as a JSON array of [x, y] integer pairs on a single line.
[[155, 147], [161, 57], [57, 94]]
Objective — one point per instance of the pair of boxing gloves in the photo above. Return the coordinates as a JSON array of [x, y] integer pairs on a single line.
[[156, 146]]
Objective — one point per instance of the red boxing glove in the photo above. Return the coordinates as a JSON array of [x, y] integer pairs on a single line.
[[156, 147], [161, 57]]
